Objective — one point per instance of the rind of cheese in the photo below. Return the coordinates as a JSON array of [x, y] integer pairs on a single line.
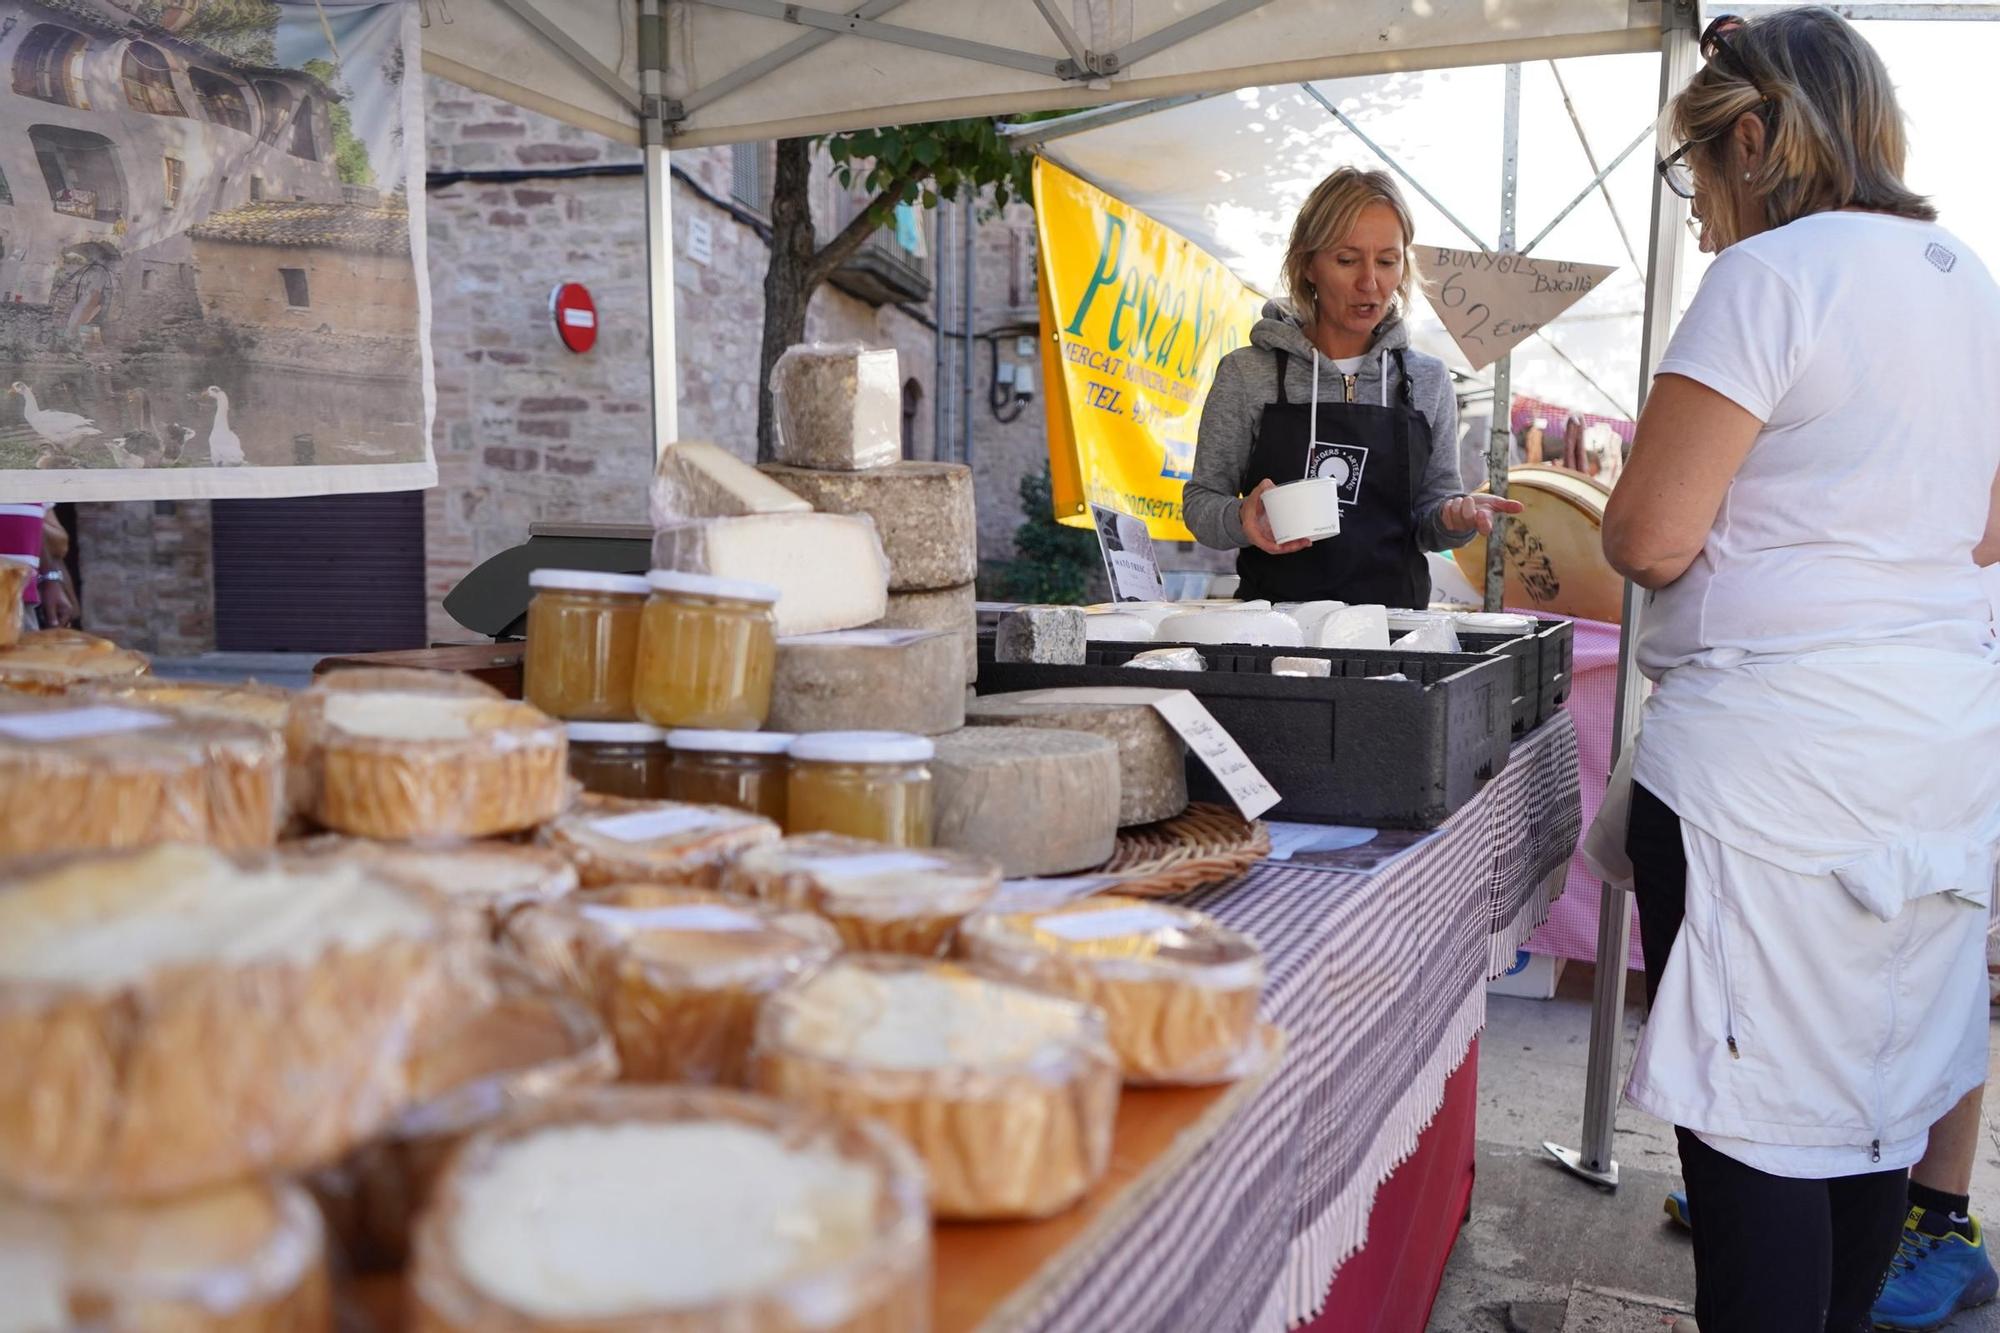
[[609, 840], [695, 479], [881, 899], [837, 408], [50, 660], [499, 876], [954, 610], [941, 1017], [1040, 802], [922, 510], [869, 680], [829, 568], [1152, 759], [402, 680]]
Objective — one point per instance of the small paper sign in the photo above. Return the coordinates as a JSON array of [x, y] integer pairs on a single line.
[[77, 723], [687, 916], [1491, 301], [1289, 840], [867, 638], [1217, 749], [1129, 562], [649, 825], [1108, 924], [876, 863]]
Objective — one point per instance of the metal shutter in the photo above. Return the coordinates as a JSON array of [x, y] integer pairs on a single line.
[[326, 573]]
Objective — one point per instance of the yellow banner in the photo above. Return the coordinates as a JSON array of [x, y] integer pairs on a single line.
[[1134, 318]]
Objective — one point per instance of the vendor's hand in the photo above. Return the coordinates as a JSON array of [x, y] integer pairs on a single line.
[[59, 610], [1474, 513], [1257, 524]]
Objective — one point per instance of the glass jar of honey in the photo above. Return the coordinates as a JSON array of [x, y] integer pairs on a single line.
[[620, 759], [866, 784], [746, 769], [707, 651], [583, 643]]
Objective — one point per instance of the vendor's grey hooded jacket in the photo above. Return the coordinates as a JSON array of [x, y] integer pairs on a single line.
[[1247, 379]]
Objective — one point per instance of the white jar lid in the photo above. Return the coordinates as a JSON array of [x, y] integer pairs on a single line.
[[587, 580], [864, 747], [616, 733], [702, 585], [731, 742]]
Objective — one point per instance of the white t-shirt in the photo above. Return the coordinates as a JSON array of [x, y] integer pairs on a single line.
[[1870, 348]]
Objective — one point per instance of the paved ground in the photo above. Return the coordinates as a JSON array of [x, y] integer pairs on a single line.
[[1546, 1253]]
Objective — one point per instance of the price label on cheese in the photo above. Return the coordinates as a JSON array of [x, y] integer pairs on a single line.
[[865, 638], [1108, 923], [685, 916], [652, 825], [876, 863], [1217, 749], [78, 723]]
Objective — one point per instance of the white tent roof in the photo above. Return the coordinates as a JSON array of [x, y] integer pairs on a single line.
[[758, 69]]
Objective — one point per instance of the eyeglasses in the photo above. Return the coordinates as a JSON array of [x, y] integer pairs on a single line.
[[1674, 170]]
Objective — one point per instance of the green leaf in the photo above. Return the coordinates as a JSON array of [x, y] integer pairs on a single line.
[[927, 150]]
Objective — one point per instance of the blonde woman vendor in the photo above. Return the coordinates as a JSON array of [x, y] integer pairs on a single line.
[[1815, 817], [1329, 387]]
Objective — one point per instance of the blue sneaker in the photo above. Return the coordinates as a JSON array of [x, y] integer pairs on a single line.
[[1934, 1277], [1677, 1209]]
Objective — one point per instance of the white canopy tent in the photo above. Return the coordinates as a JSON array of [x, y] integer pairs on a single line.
[[688, 73]]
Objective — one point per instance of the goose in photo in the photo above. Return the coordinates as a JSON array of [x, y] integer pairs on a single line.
[[58, 430], [225, 449]]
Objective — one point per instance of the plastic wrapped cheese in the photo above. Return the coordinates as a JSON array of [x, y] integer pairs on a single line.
[[1435, 638], [1008, 1094], [466, 1071], [1179, 991], [78, 775], [1353, 627], [495, 877], [14, 579], [50, 661], [1218, 625], [405, 766], [837, 407], [1168, 659], [611, 840], [260, 1014], [1497, 622], [882, 899], [694, 1210], [1116, 627], [1309, 615], [402, 680], [265, 706], [245, 1258]]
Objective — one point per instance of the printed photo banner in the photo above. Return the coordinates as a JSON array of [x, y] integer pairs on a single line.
[[211, 252], [1134, 319]]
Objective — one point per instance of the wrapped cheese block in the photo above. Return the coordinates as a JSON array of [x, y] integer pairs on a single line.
[[614, 841], [396, 765], [1217, 625], [1008, 1094], [1152, 758], [680, 980], [259, 1015], [265, 706], [838, 407], [402, 680], [686, 1209], [882, 899], [922, 510], [953, 610], [50, 661], [1179, 991], [495, 877], [467, 1071], [1120, 627], [77, 775], [829, 569], [869, 680], [1040, 802], [246, 1258]]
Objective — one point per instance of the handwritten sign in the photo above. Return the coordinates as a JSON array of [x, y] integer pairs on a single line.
[[1248, 788], [1490, 302], [1129, 561]]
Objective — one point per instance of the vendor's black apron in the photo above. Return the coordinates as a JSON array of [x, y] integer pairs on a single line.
[[1381, 455]]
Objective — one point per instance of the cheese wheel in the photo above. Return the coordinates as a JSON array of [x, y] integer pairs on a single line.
[[1273, 628], [611, 840], [869, 680], [954, 610], [695, 479], [1152, 766], [923, 512], [1039, 802]]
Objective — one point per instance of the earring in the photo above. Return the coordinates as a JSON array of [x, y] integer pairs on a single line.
[[1746, 175]]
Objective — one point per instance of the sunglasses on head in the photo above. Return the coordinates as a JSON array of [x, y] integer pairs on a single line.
[[1674, 169]]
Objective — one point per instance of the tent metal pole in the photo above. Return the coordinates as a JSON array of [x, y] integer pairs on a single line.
[[1596, 183], [1593, 1161], [1502, 435], [659, 178], [1393, 164]]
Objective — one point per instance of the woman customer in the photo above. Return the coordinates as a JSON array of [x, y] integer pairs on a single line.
[[1329, 387], [1815, 820]]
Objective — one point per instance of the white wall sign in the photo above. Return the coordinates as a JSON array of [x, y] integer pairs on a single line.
[[1491, 301]]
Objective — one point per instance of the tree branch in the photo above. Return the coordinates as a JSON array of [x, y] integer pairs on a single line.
[[857, 231]]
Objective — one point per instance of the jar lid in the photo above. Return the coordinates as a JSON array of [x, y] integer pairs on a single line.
[[731, 742], [616, 733], [703, 585], [864, 747], [587, 580]]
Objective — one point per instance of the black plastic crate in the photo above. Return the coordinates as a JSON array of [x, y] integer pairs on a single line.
[[1339, 750], [1524, 654], [1558, 665]]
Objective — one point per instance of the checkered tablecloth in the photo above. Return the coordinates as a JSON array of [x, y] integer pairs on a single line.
[[1378, 981]]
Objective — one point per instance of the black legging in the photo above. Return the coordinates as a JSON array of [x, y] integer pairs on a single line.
[[1772, 1254]]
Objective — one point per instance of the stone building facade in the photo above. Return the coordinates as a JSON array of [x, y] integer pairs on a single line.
[[528, 432]]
